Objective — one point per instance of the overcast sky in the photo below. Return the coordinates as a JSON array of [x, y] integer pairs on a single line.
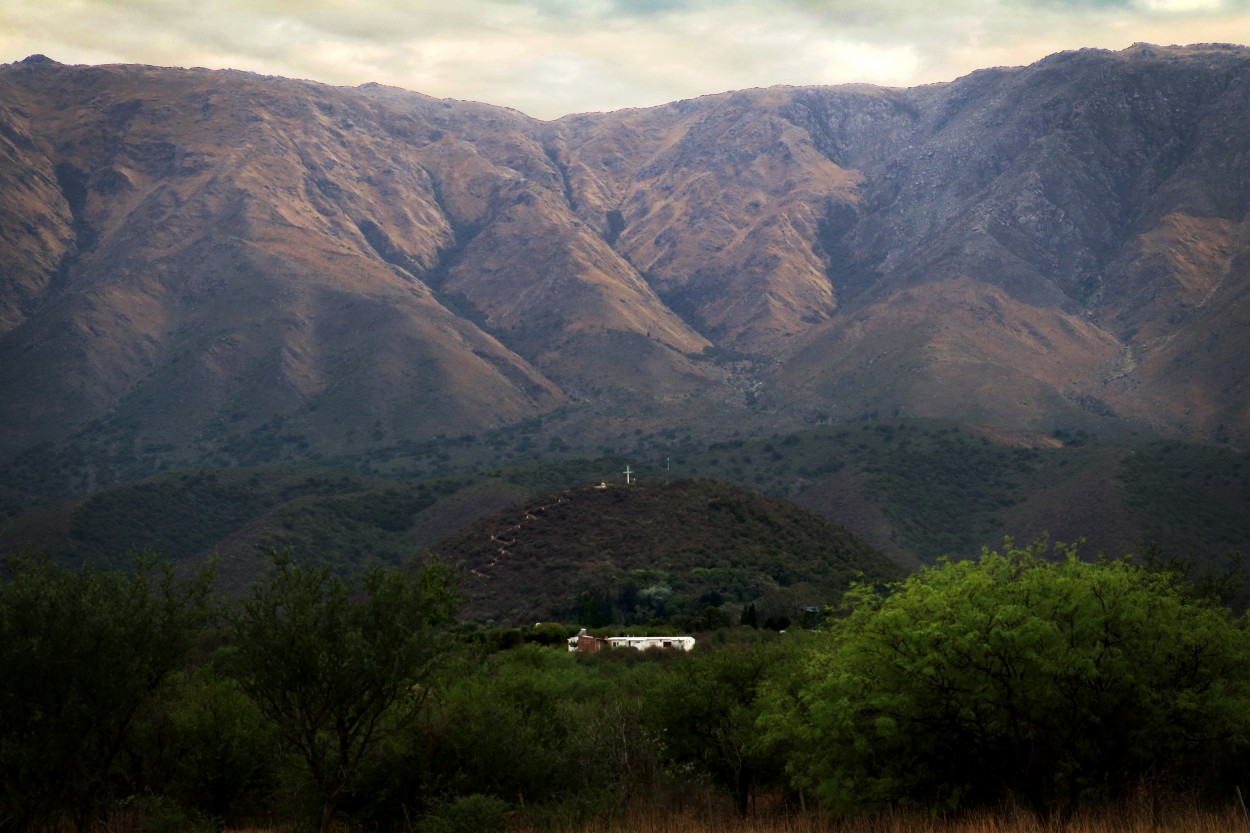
[[548, 58]]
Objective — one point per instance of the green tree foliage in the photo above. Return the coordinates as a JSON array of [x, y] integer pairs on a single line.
[[469, 814], [80, 652], [536, 726], [204, 744], [705, 710], [1054, 680], [336, 671]]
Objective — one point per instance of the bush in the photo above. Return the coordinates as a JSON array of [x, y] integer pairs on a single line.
[[468, 814], [1055, 681]]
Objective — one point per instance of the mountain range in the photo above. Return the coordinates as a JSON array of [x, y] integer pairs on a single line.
[[193, 256], [215, 268]]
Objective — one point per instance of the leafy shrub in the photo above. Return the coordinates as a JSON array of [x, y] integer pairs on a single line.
[[467, 814], [1057, 681]]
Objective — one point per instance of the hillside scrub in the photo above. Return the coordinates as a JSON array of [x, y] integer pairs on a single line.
[[1048, 679]]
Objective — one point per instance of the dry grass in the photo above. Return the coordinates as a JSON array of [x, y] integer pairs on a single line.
[[693, 813], [1194, 821], [1176, 820]]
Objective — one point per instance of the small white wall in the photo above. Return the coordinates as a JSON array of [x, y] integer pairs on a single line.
[[643, 643]]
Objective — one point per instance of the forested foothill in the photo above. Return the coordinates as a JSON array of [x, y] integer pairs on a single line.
[[914, 489], [135, 698]]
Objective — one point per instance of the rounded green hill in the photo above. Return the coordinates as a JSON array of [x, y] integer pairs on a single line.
[[618, 554]]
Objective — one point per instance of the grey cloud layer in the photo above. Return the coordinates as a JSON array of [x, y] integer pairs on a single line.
[[551, 57]]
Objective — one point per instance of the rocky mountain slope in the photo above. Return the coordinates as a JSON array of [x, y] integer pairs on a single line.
[[197, 262]]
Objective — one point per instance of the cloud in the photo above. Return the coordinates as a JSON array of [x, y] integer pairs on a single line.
[[1181, 6], [551, 57]]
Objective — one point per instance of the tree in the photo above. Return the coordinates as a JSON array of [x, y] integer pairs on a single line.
[[334, 671], [80, 652], [522, 724], [705, 710], [530, 725], [203, 743], [1052, 680]]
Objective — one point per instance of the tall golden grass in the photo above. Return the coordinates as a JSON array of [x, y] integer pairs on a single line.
[[1140, 817], [1131, 820]]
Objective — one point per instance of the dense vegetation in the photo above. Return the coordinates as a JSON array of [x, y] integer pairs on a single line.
[[699, 549], [1054, 681], [914, 489], [1026, 676]]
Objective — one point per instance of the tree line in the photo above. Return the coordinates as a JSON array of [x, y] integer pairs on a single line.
[[1028, 675]]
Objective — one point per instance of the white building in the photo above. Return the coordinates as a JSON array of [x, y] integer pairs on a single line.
[[584, 642]]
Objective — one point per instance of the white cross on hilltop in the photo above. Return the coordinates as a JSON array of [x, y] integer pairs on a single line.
[[628, 474]]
